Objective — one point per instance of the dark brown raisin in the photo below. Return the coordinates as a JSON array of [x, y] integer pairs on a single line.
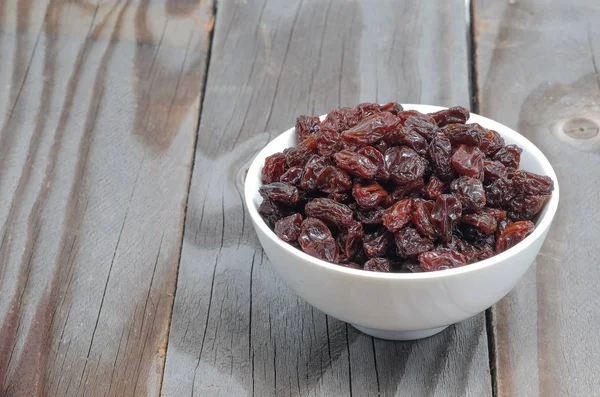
[[410, 266], [470, 192], [491, 141], [524, 207], [288, 228], [455, 115], [468, 134], [312, 170], [376, 244], [493, 170], [403, 165], [306, 126], [356, 164], [280, 192], [482, 221], [340, 197], [330, 211], [499, 193], [529, 183], [316, 240], [410, 189], [334, 180], [509, 155], [440, 155], [328, 142], [410, 138], [293, 175], [371, 129], [392, 107], [378, 265], [398, 215], [342, 119], [468, 160], [420, 123], [270, 212], [446, 211], [513, 234], [410, 243], [435, 187], [441, 259], [370, 217], [369, 195], [273, 169], [421, 218]]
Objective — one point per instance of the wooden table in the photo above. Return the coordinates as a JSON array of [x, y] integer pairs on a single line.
[[127, 264]]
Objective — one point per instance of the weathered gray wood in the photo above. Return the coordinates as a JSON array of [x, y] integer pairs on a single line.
[[99, 106], [237, 329], [538, 73]]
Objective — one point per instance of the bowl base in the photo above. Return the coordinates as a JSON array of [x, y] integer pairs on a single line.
[[400, 335]]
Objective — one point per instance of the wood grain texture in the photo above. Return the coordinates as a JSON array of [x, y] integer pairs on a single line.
[[538, 73], [237, 330], [99, 107]]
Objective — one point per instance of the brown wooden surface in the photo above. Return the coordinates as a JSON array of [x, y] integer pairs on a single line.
[[237, 330], [537, 64], [99, 103]]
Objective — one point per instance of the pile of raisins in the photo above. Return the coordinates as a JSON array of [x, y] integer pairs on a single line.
[[384, 189]]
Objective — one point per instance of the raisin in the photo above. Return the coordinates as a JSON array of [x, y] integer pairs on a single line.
[[330, 211], [470, 192], [435, 187], [328, 142], [273, 169], [468, 160], [316, 240], [270, 212], [482, 221], [376, 244], [441, 259], [410, 138], [491, 142], [499, 193], [398, 215], [455, 115], [293, 175], [342, 119], [526, 206], [378, 265], [502, 225], [340, 197], [403, 165], [420, 123], [440, 154], [334, 180], [421, 218], [370, 217], [371, 129], [369, 196], [493, 170], [497, 213], [446, 211], [369, 108], [470, 252], [312, 170], [513, 234], [410, 189], [356, 164], [529, 183], [298, 155], [306, 126], [468, 134], [288, 228], [392, 107], [409, 266], [509, 155], [376, 157], [350, 241], [280, 192], [410, 243]]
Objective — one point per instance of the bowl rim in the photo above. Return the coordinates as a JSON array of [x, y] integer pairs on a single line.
[[542, 226]]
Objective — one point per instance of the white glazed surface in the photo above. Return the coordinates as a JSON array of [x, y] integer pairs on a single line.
[[403, 301]]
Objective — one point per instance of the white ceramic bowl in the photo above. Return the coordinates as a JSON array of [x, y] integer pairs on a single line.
[[403, 306]]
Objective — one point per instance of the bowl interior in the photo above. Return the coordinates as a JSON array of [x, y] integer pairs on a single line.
[[532, 159]]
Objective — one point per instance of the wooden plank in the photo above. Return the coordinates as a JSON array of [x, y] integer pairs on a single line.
[[236, 328], [98, 129], [538, 73]]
